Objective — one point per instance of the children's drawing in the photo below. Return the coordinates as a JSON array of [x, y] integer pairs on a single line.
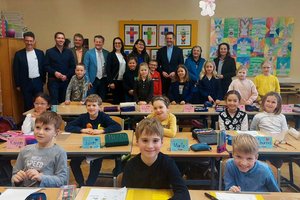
[[131, 34], [283, 66], [258, 27], [183, 37], [149, 35], [245, 26], [231, 28], [163, 30], [243, 47]]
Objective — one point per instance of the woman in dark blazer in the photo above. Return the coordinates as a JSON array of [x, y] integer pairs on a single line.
[[115, 68], [139, 51], [226, 67]]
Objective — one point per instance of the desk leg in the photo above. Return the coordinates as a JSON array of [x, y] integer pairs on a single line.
[[297, 121], [220, 175], [278, 176]]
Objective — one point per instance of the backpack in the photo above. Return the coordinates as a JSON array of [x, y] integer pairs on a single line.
[[7, 123]]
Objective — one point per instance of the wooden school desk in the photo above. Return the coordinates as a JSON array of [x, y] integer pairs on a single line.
[[189, 155], [51, 193], [178, 111], [75, 109], [196, 194], [72, 144], [284, 152]]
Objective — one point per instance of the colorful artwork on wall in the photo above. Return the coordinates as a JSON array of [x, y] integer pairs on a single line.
[[253, 40], [149, 33], [131, 34]]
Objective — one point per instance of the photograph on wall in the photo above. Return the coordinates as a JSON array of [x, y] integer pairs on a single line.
[[131, 34], [163, 30], [186, 53], [183, 35], [149, 34], [153, 54]]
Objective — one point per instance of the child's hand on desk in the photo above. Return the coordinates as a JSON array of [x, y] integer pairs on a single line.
[[19, 177], [87, 130], [217, 102], [97, 132], [142, 103], [235, 188], [182, 102], [67, 102], [33, 174], [173, 102]]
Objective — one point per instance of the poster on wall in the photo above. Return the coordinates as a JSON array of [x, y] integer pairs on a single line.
[[163, 30], [183, 35], [253, 40], [149, 33], [131, 34]]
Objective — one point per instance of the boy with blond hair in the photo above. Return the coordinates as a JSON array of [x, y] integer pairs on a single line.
[[94, 122], [244, 172], [43, 164], [151, 168]]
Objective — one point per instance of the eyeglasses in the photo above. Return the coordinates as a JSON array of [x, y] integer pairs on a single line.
[[279, 143], [39, 104]]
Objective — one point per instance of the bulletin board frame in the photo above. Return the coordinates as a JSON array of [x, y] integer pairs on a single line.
[[193, 24]]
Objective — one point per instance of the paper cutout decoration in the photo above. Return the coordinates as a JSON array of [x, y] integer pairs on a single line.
[[208, 7]]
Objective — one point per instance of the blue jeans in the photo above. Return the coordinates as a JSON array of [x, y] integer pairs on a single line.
[[95, 167]]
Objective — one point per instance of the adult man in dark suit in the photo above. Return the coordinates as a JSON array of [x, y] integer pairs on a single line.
[[60, 65], [94, 61], [168, 58], [78, 50], [28, 70]]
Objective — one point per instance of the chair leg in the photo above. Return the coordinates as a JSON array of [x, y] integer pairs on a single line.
[[278, 176], [220, 175], [114, 182]]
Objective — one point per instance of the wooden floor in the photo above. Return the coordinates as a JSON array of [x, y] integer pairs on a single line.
[[108, 165]]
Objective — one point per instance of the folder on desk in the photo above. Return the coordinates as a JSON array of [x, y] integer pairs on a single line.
[[236, 196], [148, 194]]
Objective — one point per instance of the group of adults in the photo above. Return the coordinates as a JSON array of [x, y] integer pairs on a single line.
[[104, 69]]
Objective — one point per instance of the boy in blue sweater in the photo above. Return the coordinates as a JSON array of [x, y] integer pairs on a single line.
[[94, 122], [244, 172]]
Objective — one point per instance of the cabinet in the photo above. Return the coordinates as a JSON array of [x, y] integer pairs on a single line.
[[12, 100]]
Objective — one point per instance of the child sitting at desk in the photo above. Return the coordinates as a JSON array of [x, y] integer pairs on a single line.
[[232, 118], [151, 168], [41, 104], [161, 112], [43, 164], [78, 86], [94, 122], [244, 172]]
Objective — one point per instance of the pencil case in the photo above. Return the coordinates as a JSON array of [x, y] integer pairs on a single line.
[[251, 108], [200, 109], [200, 147], [111, 109], [220, 108], [37, 196], [208, 104], [116, 139], [127, 109]]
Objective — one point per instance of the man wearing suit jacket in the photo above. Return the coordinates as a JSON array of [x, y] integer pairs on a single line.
[[78, 50], [168, 58], [94, 61], [28, 70]]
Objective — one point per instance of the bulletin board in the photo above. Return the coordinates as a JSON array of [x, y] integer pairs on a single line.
[[252, 40], [153, 32]]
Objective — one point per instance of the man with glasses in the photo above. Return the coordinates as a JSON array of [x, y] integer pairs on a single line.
[[29, 74]]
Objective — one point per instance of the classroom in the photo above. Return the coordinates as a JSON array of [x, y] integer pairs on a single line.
[[109, 19]]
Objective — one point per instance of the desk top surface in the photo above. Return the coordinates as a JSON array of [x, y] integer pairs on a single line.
[[72, 144], [166, 148], [51, 193], [199, 194]]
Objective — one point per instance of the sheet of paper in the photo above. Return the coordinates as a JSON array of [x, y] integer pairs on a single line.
[[107, 194], [18, 193], [235, 196], [253, 133]]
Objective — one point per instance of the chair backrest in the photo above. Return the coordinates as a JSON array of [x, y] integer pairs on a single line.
[[119, 180], [119, 120]]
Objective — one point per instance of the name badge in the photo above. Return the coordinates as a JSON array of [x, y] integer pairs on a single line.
[[179, 145], [188, 108], [265, 142], [146, 108], [91, 142], [287, 108], [16, 143]]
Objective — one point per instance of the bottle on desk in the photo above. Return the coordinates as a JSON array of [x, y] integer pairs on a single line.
[[221, 142]]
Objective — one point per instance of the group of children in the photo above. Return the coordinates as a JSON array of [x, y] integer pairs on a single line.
[[45, 163]]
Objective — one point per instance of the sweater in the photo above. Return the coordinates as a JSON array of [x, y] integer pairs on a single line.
[[169, 124], [258, 179], [194, 68], [103, 120], [265, 84], [143, 90], [162, 174], [238, 122], [157, 87], [246, 88]]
